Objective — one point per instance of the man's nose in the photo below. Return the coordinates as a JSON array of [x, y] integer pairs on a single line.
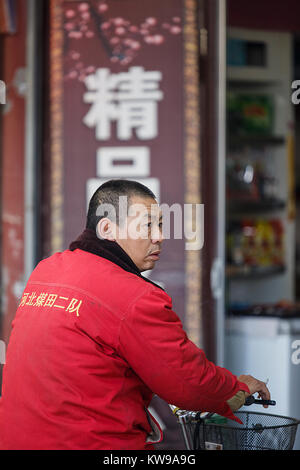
[[157, 235]]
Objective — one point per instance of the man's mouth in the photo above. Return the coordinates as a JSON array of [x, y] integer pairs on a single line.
[[155, 254]]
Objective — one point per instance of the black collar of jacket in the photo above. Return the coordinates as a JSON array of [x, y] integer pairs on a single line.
[[88, 241]]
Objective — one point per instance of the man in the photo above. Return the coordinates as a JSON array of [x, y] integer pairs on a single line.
[[93, 340]]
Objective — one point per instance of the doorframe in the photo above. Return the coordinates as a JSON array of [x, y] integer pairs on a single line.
[[213, 180], [221, 178]]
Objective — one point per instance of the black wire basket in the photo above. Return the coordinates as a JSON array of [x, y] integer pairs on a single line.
[[259, 431]]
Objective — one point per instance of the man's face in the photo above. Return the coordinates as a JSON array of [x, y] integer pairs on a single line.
[[141, 235]]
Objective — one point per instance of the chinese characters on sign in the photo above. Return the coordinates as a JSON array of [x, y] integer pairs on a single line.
[[130, 100], [45, 299]]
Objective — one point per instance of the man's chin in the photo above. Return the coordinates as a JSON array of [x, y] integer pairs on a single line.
[[147, 267]]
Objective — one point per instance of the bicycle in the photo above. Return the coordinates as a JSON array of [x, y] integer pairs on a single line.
[[259, 431]]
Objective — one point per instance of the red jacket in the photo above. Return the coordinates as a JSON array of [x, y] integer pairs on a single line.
[[90, 345]]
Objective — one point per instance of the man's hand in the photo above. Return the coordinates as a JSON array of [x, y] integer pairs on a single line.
[[255, 386]]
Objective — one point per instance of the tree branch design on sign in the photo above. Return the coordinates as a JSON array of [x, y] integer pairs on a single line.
[[121, 39]]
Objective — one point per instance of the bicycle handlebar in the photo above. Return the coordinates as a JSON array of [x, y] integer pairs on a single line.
[[251, 400]]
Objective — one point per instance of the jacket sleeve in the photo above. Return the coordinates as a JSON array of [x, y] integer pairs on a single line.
[[156, 347]]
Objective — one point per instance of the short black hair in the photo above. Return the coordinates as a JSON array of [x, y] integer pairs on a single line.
[[109, 193]]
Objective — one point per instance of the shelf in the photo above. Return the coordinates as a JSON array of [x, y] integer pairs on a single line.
[[249, 206], [280, 313], [248, 273], [276, 310], [236, 82], [254, 140]]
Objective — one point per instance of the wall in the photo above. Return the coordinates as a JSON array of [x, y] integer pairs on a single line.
[[12, 170], [266, 15]]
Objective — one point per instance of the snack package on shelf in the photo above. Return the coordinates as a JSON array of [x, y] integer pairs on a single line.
[[250, 178], [256, 244], [250, 114]]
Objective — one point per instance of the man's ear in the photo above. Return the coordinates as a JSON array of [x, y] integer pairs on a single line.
[[105, 229]]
